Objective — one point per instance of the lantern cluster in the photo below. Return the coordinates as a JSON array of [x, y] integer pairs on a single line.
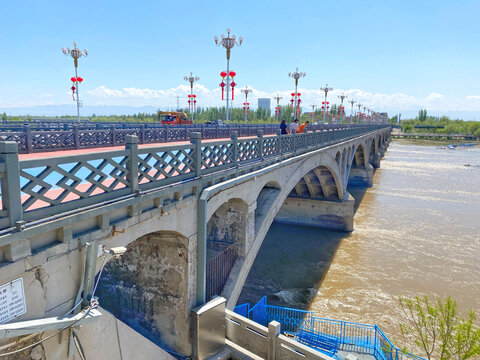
[[246, 108], [277, 111], [293, 100], [341, 111], [192, 103], [75, 81], [223, 75], [325, 106]]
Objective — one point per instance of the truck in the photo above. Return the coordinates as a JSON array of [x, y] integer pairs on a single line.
[[173, 118]]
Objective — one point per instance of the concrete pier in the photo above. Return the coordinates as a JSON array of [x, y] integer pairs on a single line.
[[336, 215], [361, 176]]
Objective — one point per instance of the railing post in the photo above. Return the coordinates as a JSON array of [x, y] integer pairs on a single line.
[[273, 333], [142, 134], [279, 142], [260, 144], [28, 137], [196, 140], [131, 146], [234, 137], [114, 135], [76, 137]]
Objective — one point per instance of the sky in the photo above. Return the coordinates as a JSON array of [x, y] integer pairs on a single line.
[[392, 56]]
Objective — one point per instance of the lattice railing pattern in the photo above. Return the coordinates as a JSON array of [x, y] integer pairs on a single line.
[[154, 166], [270, 146], [216, 155], [94, 138], [53, 140], [56, 181], [247, 150], [19, 138]]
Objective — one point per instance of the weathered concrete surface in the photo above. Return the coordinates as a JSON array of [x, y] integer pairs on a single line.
[[148, 286], [110, 338], [361, 176], [336, 215], [375, 159]]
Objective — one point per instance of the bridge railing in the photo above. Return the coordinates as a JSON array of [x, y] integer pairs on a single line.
[[37, 188], [68, 136]]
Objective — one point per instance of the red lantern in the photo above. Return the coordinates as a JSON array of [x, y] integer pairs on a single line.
[[189, 96], [298, 94], [194, 105], [73, 92], [73, 79], [223, 74], [293, 94], [79, 79], [232, 74], [222, 85], [233, 86]]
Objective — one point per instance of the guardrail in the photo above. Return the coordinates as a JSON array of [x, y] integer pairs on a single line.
[[352, 337], [42, 138], [38, 188]]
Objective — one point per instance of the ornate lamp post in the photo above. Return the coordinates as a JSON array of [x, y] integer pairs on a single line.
[[76, 54], [351, 115], [296, 75], [342, 109], [326, 89], [364, 113], [313, 113], [246, 91], [191, 79], [358, 114], [228, 42], [277, 108]]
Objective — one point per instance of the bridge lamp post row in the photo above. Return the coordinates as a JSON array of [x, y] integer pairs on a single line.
[[246, 91], [228, 42], [76, 54], [326, 89], [351, 114], [191, 79], [296, 75]]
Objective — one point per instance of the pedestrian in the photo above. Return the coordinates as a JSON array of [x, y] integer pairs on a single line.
[[301, 128], [283, 127], [293, 127]]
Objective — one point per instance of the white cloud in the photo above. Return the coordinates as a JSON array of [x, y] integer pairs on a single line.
[[435, 96], [473, 97]]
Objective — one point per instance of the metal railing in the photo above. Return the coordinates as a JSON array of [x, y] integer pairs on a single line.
[[218, 270], [70, 136], [37, 188], [352, 337]]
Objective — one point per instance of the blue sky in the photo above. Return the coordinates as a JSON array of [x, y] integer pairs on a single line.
[[391, 56]]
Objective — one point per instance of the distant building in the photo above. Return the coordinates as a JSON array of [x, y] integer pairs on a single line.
[[264, 103]]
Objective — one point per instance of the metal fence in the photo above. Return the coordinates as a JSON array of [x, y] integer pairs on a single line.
[[42, 137], [37, 188], [352, 337], [218, 270]]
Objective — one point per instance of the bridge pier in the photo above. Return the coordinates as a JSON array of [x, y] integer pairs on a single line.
[[336, 215], [361, 176], [375, 160]]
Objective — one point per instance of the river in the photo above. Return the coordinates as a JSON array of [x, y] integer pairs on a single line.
[[416, 231]]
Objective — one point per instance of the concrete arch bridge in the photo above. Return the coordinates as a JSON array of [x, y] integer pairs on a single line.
[[192, 217]]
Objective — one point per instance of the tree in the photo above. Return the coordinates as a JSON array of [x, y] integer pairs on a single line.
[[4, 116], [422, 115], [438, 330]]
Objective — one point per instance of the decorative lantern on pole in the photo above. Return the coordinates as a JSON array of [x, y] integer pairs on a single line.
[[358, 113], [364, 113], [326, 89], [292, 100], [277, 108], [76, 54], [246, 108], [191, 79], [228, 42], [223, 74], [232, 84], [296, 75], [299, 110], [313, 113]]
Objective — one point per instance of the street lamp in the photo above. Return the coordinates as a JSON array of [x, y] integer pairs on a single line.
[[76, 54], [326, 89], [246, 91], [277, 108], [296, 75], [342, 109], [191, 79], [313, 112], [358, 114], [228, 42], [351, 115], [364, 113]]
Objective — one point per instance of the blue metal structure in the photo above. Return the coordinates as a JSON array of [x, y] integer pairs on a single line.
[[328, 335]]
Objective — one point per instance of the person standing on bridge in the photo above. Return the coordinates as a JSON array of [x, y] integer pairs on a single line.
[[301, 128], [293, 127], [283, 127]]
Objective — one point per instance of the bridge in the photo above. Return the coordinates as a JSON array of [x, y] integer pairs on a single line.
[[192, 217]]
